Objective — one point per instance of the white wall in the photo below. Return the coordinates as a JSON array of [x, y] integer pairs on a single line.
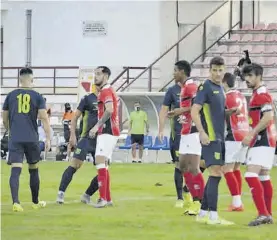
[[268, 11], [133, 35]]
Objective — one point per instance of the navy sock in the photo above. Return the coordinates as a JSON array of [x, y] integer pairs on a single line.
[[93, 187], [14, 183], [34, 184], [178, 178], [66, 178], [212, 192], [204, 203]]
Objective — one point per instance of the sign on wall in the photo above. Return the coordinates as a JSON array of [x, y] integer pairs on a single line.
[[95, 28], [86, 79]]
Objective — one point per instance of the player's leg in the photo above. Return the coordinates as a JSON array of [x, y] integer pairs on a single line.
[[103, 154], [15, 159], [238, 176], [202, 164], [268, 189], [232, 148], [32, 153], [259, 158], [77, 161], [214, 155], [134, 147], [140, 144]]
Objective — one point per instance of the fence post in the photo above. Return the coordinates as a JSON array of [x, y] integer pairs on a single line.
[[54, 82], [240, 13], [231, 18], [150, 80], [204, 39]]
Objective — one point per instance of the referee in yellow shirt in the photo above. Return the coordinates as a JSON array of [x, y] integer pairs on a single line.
[[138, 123]]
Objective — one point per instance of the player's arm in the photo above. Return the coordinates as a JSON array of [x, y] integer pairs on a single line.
[[74, 121], [108, 101], [5, 117], [130, 123], [164, 109], [179, 111]]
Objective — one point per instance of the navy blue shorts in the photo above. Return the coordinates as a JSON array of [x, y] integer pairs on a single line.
[[174, 144], [85, 146], [214, 153], [18, 149]]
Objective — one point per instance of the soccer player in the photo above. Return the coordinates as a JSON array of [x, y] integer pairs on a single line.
[[237, 129], [208, 114], [190, 147], [262, 142], [172, 101], [88, 110], [21, 109], [108, 132]]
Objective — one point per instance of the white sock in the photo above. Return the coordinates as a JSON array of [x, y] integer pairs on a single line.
[[213, 215], [237, 201], [60, 192], [202, 213]]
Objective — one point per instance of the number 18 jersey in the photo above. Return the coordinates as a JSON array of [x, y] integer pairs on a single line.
[[237, 125], [23, 106]]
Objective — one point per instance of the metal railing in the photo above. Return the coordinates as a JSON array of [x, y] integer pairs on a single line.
[[204, 29]]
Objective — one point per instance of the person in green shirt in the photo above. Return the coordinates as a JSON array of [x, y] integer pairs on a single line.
[[138, 123]]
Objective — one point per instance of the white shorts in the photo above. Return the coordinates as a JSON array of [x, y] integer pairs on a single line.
[[190, 144], [261, 156], [105, 145], [234, 152]]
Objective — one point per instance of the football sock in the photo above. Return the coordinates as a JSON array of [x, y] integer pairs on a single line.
[[34, 184], [14, 183], [237, 174], [178, 178], [212, 192], [268, 192], [93, 187], [204, 203], [108, 189], [66, 178], [257, 192], [199, 185], [233, 188], [189, 182], [102, 182]]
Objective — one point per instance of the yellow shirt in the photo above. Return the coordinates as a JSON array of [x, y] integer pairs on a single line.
[[138, 120]]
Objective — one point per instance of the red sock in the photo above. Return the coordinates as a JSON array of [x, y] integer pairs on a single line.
[[257, 194], [237, 174], [232, 183], [199, 185], [268, 194], [102, 182], [108, 190], [189, 183]]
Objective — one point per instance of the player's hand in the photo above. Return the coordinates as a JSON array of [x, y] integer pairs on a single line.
[[93, 131], [47, 145], [161, 136], [247, 139], [171, 114], [204, 138], [235, 110], [72, 140]]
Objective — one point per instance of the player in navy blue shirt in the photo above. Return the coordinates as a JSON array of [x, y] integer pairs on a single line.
[[208, 114], [171, 102], [21, 109], [88, 110]]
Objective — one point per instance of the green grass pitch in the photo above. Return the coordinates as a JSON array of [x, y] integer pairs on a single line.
[[142, 210]]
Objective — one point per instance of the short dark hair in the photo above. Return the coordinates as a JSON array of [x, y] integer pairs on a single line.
[[218, 61], [105, 70], [252, 68], [25, 71], [230, 79], [185, 66]]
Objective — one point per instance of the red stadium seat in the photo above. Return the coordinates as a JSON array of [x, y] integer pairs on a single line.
[[232, 60], [271, 38], [222, 49], [271, 84], [259, 60], [271, 61], [235, 37], [246, 47], [259, 38], [205, 72], [272, 26], [196, 72], [271, 48], [247, 27], [260, 26], [247, 38], [272, 72], [258, 49], [234, 49]]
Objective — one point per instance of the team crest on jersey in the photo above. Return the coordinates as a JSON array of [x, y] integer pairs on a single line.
[[250, 120], [217, 155]]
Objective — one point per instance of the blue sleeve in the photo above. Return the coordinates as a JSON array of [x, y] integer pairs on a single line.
[[82, 105], [41, 102], [168, 98], [202, 95], [6, 103]]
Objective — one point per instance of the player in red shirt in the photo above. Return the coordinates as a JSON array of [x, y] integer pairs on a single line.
[[262, 142], [108, 132], [190, 147], [237, 129]]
